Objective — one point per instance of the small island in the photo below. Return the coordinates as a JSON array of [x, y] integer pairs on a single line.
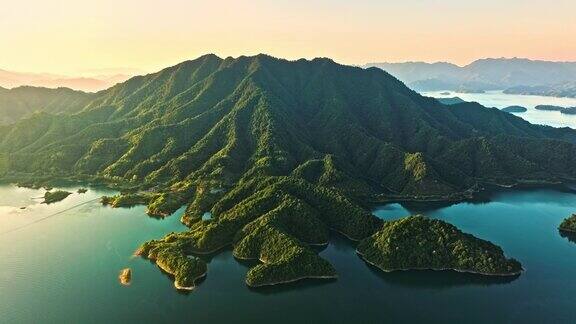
[[56, 196], [82, 190], [514, 109], [450, 101], [568, 225], [420, 243], [125, 277]]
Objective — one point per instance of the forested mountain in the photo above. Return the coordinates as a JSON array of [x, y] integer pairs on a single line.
[[21, 102], [484, 74], [279, 152]]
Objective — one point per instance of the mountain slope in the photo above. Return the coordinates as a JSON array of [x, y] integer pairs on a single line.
[[20, 102], [279, 152]]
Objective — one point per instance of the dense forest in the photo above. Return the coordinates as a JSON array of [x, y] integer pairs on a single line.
[[420, 243], [280, 152], [22, 102]]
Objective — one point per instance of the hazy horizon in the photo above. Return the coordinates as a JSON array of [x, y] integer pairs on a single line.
[[97, 73], [67, 37]]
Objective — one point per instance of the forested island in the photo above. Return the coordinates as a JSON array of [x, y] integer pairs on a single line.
[[280, 153], [419, 243], [514, 109], [563, 110], [51, 197], [451, 100]]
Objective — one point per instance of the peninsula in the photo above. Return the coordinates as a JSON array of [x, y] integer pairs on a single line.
[[420, 243]]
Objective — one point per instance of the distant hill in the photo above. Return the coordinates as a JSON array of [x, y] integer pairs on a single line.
[[9, 79], [566, 89], [481, 75], [21, 102]]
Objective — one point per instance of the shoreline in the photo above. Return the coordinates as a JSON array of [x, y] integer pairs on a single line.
[[471, 193], [291, 281], [283, 281], [176, 283], [513, 274]]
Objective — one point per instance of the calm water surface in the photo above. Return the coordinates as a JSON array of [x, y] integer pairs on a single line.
[[499, 99], [64, 268]]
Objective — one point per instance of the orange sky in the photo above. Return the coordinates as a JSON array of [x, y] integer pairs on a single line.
[[74, 36]]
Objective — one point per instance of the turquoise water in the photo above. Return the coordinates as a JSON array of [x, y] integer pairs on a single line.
[[500, 100], [64, 268]]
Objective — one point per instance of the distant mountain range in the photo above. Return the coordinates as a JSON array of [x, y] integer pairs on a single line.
[[10, 79], [513, 75]]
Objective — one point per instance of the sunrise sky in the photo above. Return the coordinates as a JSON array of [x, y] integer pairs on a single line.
[[77, 36]]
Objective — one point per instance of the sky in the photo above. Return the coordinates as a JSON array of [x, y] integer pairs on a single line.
[[77, 37]]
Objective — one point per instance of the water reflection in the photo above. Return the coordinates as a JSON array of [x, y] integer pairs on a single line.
[[569, 236], [430, 279]]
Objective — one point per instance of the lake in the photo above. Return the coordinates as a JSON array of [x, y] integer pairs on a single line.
[[60, 263], [499, 99]]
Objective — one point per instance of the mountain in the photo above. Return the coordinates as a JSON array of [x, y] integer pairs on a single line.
[[481, 75], [21, 102], [280, 153], [9, 79]]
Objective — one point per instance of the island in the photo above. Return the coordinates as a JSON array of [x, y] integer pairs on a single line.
[[514, 109], [55, 196], [125, 277], [568, 225], [420, 243], [450, 101], [471, 90], [82, 190], [563, 110]]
